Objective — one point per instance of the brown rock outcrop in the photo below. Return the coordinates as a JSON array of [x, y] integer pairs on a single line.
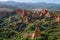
[[25, 19], [20, 12], [47, 14], [37, 33], [57, 18], [44, 11]]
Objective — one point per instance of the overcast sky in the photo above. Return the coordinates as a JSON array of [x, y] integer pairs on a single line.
[[48, 1]]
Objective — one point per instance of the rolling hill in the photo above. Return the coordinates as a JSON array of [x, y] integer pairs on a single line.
[[7, 8], [33, 6]]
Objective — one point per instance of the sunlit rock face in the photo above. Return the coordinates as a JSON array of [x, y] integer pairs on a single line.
[[35, 34], [57, 18], [45, 12], [39, 15], [32, 35]]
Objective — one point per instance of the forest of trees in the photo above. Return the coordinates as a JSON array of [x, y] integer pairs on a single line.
[[24, 22]]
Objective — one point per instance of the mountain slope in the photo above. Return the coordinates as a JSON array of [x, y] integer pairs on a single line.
[[30, 6], [7, 8]]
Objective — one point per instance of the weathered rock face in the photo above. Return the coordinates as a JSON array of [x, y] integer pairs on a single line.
[[23, 13], [37, 33], [25, 19], [57, 19], [20, 12], [32, 35], [45, 12]]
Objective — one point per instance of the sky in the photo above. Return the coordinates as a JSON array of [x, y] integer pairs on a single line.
[[33, 1]]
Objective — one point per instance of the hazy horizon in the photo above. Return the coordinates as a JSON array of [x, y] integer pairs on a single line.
[[34, 1]]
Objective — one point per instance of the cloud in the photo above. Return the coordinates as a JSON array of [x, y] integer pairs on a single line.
[[3, 0]]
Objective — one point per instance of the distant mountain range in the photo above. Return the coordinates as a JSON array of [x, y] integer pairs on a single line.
[[32, 6], [7, 8]]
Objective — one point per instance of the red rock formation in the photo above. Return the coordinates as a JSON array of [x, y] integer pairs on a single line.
[[47, 14], [25, 19], [18, 11], [32, 36], [57, 18], [23, 13], [37, 33], [40, 14], [44, 11]]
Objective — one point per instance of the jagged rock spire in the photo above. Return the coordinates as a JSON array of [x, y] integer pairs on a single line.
[[37, 33]]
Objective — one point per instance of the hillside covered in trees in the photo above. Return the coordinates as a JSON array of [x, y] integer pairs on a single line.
[[30, 25]]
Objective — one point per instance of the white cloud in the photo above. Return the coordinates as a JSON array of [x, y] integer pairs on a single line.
[[3, 0]]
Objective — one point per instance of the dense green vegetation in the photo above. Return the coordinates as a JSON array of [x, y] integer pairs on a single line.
[[50, 29]]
